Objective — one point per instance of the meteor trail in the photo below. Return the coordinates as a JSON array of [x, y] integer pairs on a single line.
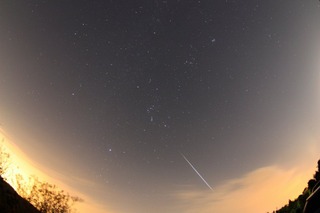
[[196, 171]]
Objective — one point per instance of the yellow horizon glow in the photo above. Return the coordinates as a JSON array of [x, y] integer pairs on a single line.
[[264, 189], [24, 166]]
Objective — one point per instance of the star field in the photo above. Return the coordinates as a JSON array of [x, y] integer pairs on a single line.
[[117, 89]]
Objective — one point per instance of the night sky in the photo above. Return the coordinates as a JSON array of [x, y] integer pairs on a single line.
[[150, 102]]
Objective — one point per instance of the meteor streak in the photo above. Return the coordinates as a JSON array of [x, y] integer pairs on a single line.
[[196, 171]]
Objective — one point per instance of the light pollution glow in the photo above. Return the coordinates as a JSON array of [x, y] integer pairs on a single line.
[[261, 190], [23, 165], [236, 90]]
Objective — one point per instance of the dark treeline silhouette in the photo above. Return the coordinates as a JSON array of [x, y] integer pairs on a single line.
[[297, 205], [45, 197]]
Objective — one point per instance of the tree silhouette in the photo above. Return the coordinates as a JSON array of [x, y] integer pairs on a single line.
[[311, 183], [297, 205], [317, 174], [4, 160], [46, 197]]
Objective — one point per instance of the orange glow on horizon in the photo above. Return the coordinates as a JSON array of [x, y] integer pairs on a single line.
[[24, 166], [264, 189]]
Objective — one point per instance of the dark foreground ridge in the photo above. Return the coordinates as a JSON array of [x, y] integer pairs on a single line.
[[309, 200], [11, 202]]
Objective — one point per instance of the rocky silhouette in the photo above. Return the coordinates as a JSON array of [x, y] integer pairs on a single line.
[[11, 202]]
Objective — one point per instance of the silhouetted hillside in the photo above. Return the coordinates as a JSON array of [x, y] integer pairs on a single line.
[[11, 202], [33, 195], [297, 205]]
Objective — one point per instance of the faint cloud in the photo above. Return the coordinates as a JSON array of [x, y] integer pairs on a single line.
[[261, 190]]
